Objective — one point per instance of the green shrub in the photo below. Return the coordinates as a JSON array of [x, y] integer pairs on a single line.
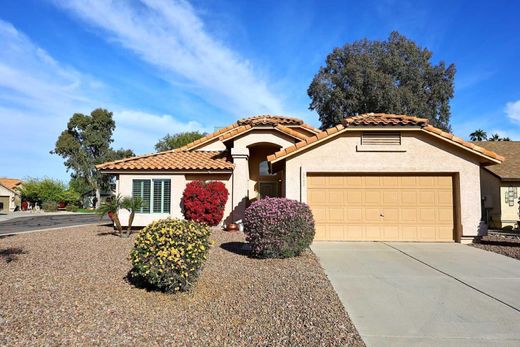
[[278, 227], [169, 253], [72, 208], [50, 206]]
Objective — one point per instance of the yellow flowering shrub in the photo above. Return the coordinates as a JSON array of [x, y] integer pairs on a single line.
[[169, 253]]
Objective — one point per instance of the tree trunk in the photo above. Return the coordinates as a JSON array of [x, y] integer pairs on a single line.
[[118, 224], [130, 221], [98, 198]]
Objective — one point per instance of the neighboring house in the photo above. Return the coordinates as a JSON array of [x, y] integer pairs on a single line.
[[87, 199], [375, 177], [10, 198], [500, 185]]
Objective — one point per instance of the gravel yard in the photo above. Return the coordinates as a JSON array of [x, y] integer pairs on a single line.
[[505, 245], [69, 287]]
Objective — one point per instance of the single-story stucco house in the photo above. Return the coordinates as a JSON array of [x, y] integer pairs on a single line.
[[373, 177], [500, 186], [10, 198]]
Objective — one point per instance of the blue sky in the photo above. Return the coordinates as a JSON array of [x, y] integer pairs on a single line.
[[170, 66]]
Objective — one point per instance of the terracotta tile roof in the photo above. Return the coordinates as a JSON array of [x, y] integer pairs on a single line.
[[245, 128], [262, 120], [509, 169], [376, 120], [235, 132], [311, 128], [462, 142], [10, 183], [383, 119], [290, 132], [172, 160], [207, 138], [269, 120]]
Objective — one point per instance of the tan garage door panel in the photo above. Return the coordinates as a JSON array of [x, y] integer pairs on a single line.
[[381, 208]]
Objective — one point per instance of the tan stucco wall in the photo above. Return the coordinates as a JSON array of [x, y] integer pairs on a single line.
[[214, 145], [509, 214], [250, 138], [423, 154], [178, 183], [501, 214], [263, 136], [490, 190], [13, 198]]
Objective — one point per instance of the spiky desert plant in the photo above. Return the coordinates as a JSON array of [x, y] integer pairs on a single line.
[[111, 208], [132, 204]]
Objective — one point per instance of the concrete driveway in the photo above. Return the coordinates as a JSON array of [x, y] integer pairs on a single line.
[[410, 294]]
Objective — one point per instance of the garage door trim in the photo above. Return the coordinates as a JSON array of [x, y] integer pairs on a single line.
[[455, 191]]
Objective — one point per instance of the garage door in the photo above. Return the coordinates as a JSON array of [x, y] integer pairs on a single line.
[[381, 208]]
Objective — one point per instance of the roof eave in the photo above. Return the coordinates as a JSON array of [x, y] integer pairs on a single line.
[[341, 129], [165, 171], [491, 160]]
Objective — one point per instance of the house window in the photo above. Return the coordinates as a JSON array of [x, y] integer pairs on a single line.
[[510, 196], [156, 195], [161, 196], [263, 169], [381, 138]]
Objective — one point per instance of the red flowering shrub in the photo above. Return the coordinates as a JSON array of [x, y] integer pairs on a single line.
[[278, 227], [204, 202]]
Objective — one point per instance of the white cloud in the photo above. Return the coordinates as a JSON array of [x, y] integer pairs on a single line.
[[140, 130], [170, 36], [513, 110], [31, 78], [37, 97]]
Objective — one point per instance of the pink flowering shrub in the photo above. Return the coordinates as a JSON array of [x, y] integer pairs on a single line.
[[278, 227]]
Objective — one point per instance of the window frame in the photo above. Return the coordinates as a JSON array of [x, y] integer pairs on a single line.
[[151, 206]]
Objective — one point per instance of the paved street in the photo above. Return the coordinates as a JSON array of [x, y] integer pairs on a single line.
[[32, 223], [411, 294]]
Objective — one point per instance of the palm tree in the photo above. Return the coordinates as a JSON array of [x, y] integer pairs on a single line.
[[111, 208], [495, 137], [505, 139], [478, 135], [132, 205]]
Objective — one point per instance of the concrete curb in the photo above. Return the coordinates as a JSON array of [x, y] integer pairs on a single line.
[[10, 216], [48, 229]]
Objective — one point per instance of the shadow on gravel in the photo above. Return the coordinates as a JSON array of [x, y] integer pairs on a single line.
[[138, 282], [5, 236], [240, 248], [11, 254], [108, 233]]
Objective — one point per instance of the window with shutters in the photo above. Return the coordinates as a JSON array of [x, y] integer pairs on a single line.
[[381, 138], [156, 195], [161, 196]]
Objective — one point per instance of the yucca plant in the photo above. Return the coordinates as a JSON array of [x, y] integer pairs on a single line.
[[111, 208], [132, 205]]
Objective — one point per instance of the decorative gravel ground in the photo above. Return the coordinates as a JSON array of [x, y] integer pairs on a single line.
[[505, 245], [68, 287]]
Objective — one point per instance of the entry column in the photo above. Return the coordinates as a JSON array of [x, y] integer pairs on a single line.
[[240, 181]]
